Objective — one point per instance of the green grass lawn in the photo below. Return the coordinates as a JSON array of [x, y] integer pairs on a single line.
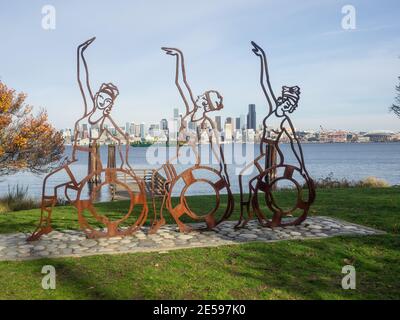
[[309, 269]]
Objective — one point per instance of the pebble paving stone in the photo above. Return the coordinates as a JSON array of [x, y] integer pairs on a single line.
[[73, 243]]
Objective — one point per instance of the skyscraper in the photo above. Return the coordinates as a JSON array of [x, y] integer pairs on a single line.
[[242, 121], [85, 131], [218, 123], [228, 131], [164, 124], [238, 126], [131, 128], [251, 117], [176, 113], [142, 130], [137, 130]]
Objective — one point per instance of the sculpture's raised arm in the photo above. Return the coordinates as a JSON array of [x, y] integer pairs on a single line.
[[86, 91], [180, 78], [264, 76]]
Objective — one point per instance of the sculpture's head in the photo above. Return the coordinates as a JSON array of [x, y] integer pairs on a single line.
[[288, 101], [207, 102], [105, 97]]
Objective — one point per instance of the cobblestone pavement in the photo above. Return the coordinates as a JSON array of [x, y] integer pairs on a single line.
[[72, 243]]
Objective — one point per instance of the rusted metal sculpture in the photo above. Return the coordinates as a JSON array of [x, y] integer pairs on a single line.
[[99, 115], [269, 172], [196, 111]]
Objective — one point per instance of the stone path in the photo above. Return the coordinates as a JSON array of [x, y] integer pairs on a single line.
[[74, 244]]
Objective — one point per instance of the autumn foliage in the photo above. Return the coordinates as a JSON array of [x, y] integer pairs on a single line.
[[27, 141]]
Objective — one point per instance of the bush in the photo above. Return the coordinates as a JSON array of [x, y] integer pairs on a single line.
[[331, 182], [17, 199], [4, 208], [373, 182]]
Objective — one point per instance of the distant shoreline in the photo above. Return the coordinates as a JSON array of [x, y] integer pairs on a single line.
[[223, 142]]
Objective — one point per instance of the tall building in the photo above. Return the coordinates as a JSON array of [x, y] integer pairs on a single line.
[[142, 130], [218, 123], [192, 125], [251, 117], [229, 120], [176, 113], [85, 131], [154, 130], [228, 131], [131, 129], [237, 124], [137, 130], [164, 124], [242, 121]]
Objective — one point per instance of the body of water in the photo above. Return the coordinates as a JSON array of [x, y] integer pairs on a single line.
[[351, 161]]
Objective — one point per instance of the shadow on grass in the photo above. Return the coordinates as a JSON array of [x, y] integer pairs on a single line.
[[282, 270], [311, 269]]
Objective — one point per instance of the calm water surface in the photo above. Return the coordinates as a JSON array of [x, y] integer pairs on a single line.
[[350, 161]]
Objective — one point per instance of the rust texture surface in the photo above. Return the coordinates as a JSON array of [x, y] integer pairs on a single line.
[[97, 113], [257, 196]]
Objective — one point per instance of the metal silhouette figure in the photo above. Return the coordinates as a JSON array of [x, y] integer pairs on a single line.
[[196, 111], [266, 178], [97, 108]]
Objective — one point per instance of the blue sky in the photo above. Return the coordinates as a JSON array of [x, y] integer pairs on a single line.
[[347, 77]]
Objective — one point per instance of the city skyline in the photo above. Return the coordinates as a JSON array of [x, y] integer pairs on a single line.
[[347, 77], [220, 121], [232, 130]]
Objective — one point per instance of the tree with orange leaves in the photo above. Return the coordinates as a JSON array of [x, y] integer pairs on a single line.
[[27, 142]]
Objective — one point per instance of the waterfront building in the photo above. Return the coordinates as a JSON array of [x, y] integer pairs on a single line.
[[238, 136], [142, 130], [228, 130], [176, 113], [248, 135], [251, 117], [379, 136], [242, 121], [137, 130], [218, 122], [237, 124], [164, 124]]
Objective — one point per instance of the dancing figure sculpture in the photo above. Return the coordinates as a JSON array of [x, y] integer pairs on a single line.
[[101, 104], [196, 111], [269, 172]]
